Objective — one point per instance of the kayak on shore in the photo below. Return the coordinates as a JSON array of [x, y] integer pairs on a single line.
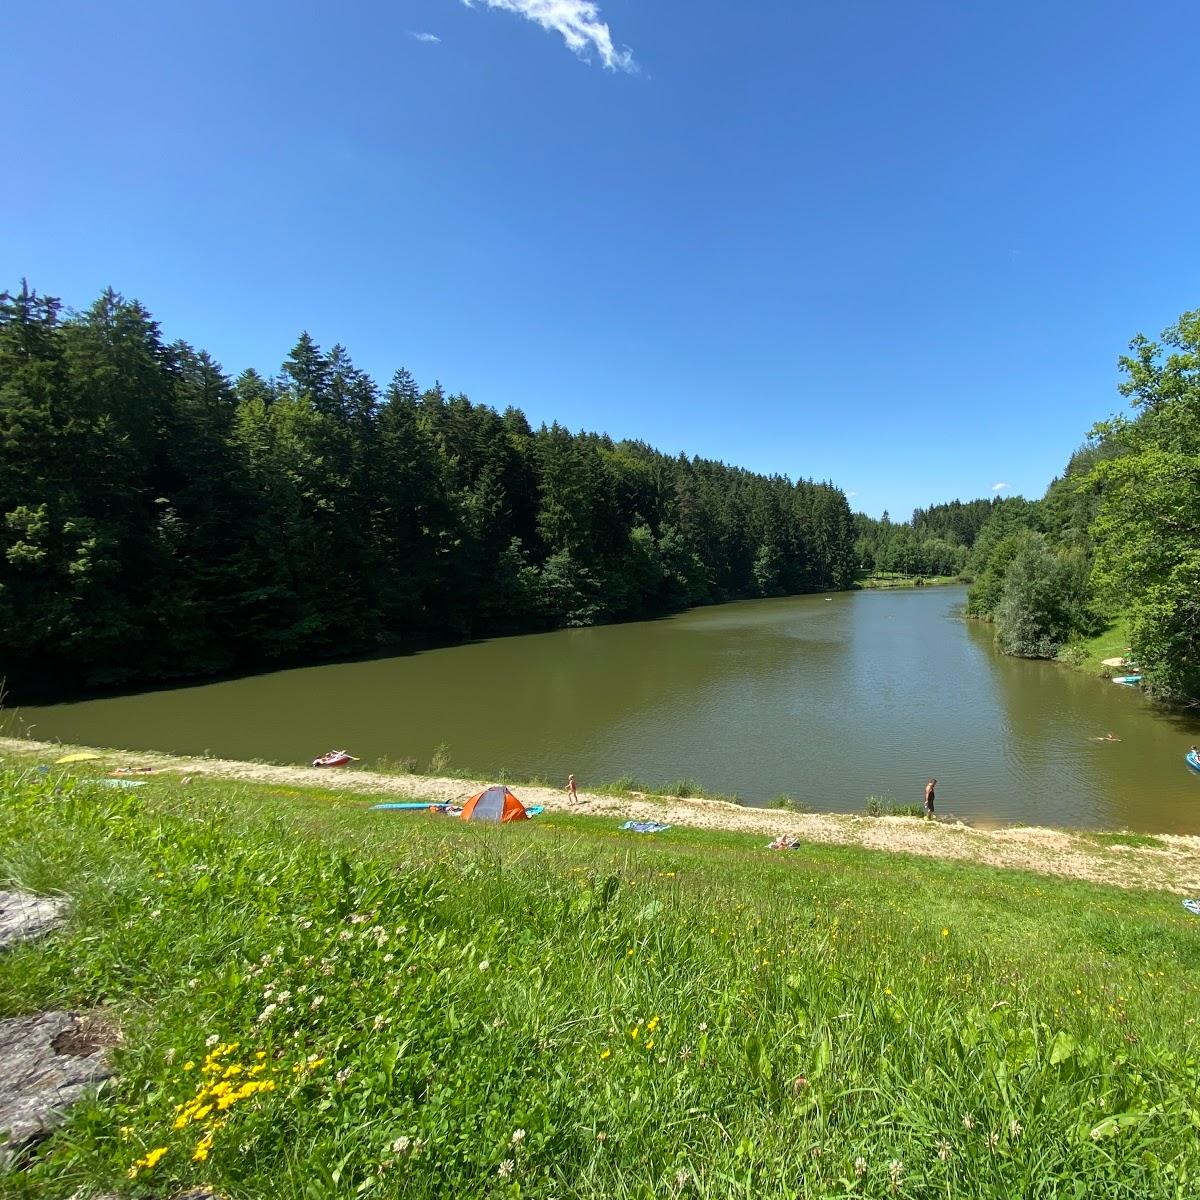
[[1193, 760], [335, 758], [1128, 680]]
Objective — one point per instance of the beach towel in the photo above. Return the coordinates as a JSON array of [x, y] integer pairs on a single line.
[[645, 827], [785, 841], [121, 783], [1193, 906]]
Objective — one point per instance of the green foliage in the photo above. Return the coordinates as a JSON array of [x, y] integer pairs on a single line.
[[158, 520], [444, 1009], [1043, 599], [1147, 524]]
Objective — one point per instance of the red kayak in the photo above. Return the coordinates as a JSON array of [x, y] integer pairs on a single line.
[[335, 758]]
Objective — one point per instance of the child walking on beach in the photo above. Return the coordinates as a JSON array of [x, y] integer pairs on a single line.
[[929, 798], [571, 792]]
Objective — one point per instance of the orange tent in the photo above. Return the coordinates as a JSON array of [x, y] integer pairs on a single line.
[[494, 804]]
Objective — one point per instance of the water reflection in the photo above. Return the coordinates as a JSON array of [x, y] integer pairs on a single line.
[[829, 700]]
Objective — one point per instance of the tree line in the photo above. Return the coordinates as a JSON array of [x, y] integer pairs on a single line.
[[160, 520], [1118, 534], [937, 541]]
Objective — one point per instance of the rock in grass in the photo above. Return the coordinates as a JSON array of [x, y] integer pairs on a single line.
[[46, 1062], [23, 916]]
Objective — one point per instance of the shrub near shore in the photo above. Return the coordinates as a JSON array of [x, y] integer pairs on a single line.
[[429, 1009]]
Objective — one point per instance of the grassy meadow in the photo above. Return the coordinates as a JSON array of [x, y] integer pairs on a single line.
[[317, 1000]]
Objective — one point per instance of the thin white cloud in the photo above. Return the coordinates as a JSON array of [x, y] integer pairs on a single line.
[[432, 38], [578, 21], [999, 487], [851, 495]]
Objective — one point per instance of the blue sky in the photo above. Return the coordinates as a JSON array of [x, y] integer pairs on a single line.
[[896, 245]]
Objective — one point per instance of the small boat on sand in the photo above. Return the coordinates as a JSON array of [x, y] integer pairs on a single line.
[[1128, 680], [1193, 760], [335, 758]]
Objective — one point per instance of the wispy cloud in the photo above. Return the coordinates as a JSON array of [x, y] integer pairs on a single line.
[[432, 38], [578, 21], [851, 495], [999, 487]]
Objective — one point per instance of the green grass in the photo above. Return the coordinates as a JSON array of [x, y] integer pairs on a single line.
[[896, 579], [1124, 838], [560, 1009], [1088, 654]]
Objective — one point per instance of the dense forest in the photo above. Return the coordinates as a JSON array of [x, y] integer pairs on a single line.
[[160, 520], [1117, 535], [937, 541]]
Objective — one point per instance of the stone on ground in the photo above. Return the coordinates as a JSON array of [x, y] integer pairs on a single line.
[[46, 1062], [23, 916]]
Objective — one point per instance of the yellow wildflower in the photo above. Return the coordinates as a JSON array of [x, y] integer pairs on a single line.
[[650, 1044], [203, 1146], [148, 1162], [945, 933], [189, 1065], [635, 1031], [605, 1053]]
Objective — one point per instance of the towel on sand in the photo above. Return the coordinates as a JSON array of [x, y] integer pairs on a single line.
[[645, 826]]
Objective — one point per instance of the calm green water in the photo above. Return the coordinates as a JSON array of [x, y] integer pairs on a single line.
[[829, 700]]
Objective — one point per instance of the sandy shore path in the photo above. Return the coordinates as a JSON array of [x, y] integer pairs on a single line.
[[1169, 862]]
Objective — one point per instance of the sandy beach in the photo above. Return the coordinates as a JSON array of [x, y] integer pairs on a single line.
[[1170, 863]]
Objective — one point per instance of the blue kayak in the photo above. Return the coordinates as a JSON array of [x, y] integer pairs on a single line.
[[1128, 680], [1193, 760]]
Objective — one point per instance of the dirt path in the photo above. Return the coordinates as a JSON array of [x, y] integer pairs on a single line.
[[1171, 863]]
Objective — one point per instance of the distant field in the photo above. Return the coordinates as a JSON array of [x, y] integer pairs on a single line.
[[560, 1009], [895, 579]]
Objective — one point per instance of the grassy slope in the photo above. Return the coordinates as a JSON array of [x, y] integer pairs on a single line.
[[1112, 643], [680, 1015], [895, 579]]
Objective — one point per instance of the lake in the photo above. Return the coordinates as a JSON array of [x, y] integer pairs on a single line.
[[829, 699]]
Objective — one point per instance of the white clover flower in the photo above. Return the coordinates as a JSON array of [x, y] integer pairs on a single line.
[[484, 965], [968, 1121], [993, 1140], [518, 1136], [266, 1014], [506, 1168], [211, 1040], [402, 1145], [316, 1003], [943, 1149], [895, 1171], [344, 1074], [860, 1166], [1014, 1129]]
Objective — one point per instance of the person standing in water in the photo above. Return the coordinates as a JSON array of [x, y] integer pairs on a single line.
[[571, 792], [929, 787]]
